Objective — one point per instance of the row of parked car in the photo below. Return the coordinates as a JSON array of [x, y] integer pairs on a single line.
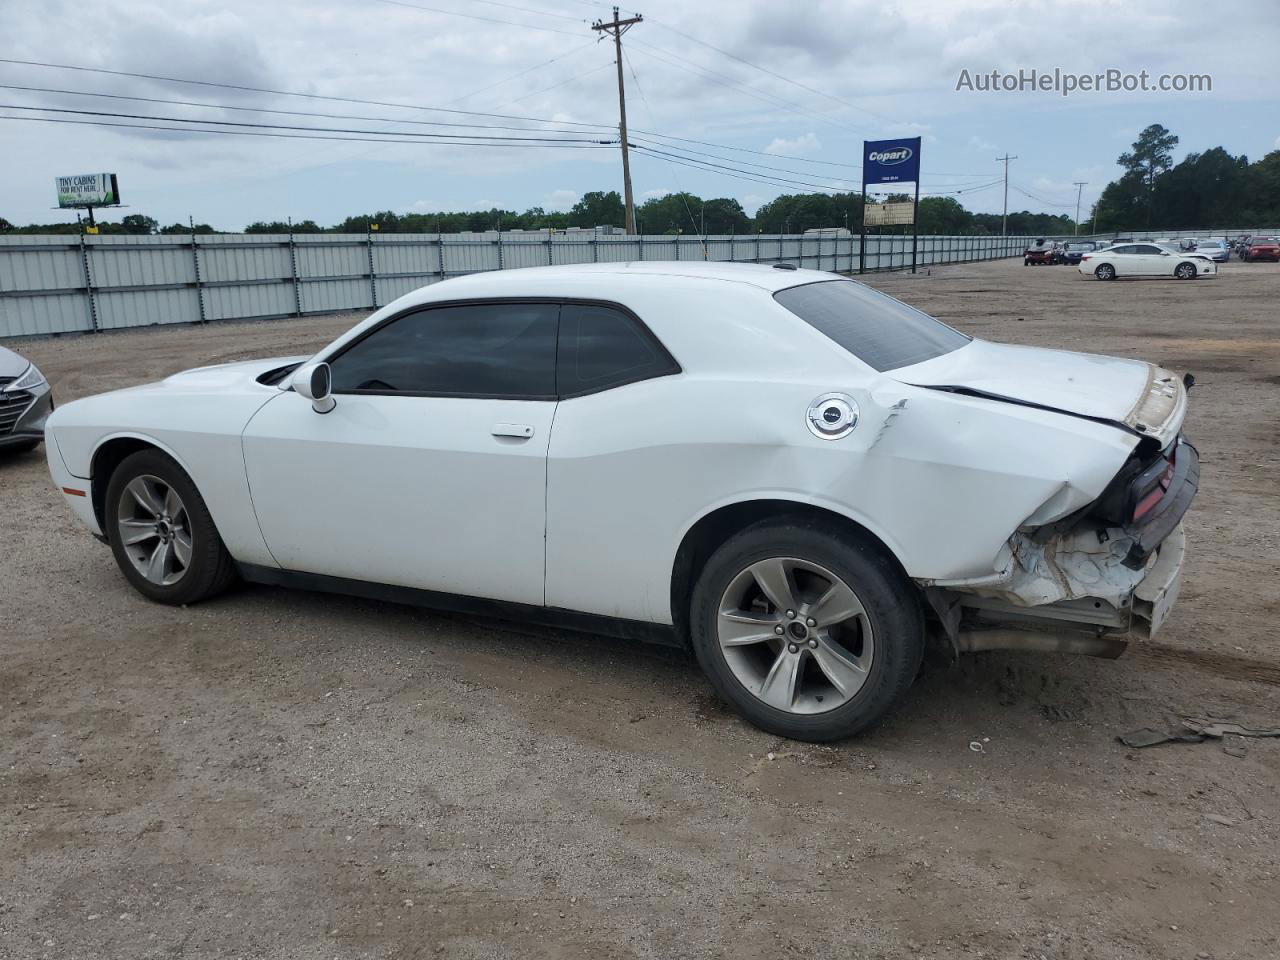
[[1217, 249]]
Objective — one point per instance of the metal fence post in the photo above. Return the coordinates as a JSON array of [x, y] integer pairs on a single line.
[[444, 274], [88, 285], [195, 262], [595, 248], [550, 255], [373, 275], [293, 272]]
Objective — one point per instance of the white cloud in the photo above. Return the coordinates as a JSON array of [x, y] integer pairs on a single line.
[[978, 143], [795, 147], [561, 199]]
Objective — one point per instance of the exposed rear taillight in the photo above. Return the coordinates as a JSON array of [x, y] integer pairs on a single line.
[[1156, 493], [1086, 256]]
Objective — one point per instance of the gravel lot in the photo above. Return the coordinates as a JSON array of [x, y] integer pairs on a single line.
[[276, 774]]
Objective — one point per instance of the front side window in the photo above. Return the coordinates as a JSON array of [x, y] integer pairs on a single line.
[[603, 347], [882, 332], [503, 350]]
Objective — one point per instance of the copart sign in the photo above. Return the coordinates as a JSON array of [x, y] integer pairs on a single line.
[[891, 161]]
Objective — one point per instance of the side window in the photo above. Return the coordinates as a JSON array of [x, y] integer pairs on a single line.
[[1124, 250], [602, 347], [472, 350], [1150, 250]]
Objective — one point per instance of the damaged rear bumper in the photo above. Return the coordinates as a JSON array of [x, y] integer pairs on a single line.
[[1090, 588]]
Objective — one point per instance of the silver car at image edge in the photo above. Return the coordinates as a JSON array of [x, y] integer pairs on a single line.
[[26, 401]]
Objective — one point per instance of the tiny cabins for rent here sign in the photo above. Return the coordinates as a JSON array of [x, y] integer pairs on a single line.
[[88, 190]]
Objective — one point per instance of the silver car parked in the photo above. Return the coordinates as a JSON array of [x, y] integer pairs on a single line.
[[26, 400]]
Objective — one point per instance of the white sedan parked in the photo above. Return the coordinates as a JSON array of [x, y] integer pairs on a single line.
[[807, 481], [1146, 260]]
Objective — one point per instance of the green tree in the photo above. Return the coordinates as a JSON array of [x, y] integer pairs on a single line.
[[944, 215], [137, 223], [598, 209], [674, 213], [1151, 154], [5, 226]]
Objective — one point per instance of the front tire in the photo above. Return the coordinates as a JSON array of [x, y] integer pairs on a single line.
[[1105, 271], [810, 635], [1185, 271], [161, 534]]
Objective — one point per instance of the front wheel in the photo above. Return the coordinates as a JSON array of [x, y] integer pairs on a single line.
[[811, 636], [1185, 271], [1105, 271], [160, 531]]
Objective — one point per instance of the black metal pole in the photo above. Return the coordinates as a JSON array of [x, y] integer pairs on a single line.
[[862, 240], [915, 226]]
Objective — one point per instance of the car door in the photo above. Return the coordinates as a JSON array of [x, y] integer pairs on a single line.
[[1124, 259], [612, 425], [1150, 261], [430, 472]]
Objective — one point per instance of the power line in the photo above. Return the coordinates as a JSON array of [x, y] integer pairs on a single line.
[[515, 76], [294, 93], [561, 145], [555, 86], [679, 186], [543, 13], [1032, 196], [282, 126], [766, 70], [291, 113], [475, 16]]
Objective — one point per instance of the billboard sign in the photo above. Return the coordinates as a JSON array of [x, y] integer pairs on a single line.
[[888, 214], [891, 161], [88, 190]]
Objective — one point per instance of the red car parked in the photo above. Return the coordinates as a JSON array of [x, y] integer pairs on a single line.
[[1039, 252], [1263, 248]]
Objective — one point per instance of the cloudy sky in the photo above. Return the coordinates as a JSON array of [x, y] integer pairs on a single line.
[[780, 93]]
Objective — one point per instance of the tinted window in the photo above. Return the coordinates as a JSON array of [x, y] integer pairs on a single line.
[[601, 347], [1149, 249], [882, 332], [481, 350], [1123, 250]]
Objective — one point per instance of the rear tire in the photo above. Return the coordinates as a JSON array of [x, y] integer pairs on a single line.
[[846, 654], [161, 533]]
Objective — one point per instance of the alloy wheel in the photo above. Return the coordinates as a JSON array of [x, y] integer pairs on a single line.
[[795, 635], [154, 529]]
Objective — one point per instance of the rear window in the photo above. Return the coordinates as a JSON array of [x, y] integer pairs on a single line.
[[882, 332]]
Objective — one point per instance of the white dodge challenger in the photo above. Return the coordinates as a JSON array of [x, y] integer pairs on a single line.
[[805, 480]]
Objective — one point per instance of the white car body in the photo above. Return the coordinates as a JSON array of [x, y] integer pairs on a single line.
[[956, 464], [1146, 260]]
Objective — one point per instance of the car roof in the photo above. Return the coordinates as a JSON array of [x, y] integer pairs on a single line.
[[506, 282]]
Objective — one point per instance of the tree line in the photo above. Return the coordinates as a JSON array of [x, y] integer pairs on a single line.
[[1209, 189], [670, 214]]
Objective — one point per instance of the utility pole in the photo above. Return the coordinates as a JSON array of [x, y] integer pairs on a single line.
[[1004, 223], [616, 28], [1079, 185]]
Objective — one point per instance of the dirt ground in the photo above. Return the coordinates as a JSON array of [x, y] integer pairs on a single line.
[[277, 774]]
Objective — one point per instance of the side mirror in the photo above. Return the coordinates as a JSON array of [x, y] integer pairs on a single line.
[[315, 382]]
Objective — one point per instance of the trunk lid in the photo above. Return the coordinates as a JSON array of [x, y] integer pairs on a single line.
[[1141, 396]]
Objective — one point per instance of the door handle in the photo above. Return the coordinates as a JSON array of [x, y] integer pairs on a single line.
[[521, 430]]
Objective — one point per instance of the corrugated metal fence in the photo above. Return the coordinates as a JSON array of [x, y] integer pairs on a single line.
[[68, 284]]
